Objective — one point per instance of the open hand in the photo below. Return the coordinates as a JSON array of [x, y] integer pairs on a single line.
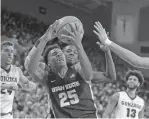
[[100, 32], [75, 35]]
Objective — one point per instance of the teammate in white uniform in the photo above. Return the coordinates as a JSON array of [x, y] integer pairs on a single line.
[[10, 77], [127, 104]]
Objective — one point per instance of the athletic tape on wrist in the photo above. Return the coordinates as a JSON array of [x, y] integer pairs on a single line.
[[108, 42]]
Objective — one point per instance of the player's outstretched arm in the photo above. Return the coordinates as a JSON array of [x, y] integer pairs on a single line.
[[130, 57], [11, 86], [32, 61], [75, 39], [111, 106], [25, 83]]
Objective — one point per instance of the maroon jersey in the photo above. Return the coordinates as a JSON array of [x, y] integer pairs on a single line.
[[71, 96]]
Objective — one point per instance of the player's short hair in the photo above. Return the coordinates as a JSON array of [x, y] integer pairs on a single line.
[[136, 73], [47, 50], [7, 43]]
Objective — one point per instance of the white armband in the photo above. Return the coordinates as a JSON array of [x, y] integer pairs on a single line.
[[108, 42]]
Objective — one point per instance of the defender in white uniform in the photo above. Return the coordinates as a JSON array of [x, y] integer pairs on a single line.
[[10, 77], [127, 104]]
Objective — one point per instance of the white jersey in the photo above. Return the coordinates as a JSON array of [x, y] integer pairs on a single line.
[[7, 96], [128, 108]]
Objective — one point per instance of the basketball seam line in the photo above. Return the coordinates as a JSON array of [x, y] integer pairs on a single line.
[[64, 25]]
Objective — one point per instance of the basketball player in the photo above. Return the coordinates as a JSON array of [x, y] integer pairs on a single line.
[[127, 104], [137, 61], [10, 76], [72, 60], [70, 94]]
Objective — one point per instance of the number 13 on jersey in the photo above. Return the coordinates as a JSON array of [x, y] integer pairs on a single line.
[[69, 95]]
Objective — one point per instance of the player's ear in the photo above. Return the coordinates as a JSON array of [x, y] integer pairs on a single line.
[[139, 84]]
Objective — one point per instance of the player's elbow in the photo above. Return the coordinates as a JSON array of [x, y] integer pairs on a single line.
[[89, 77], [106, 115], [113, 77]]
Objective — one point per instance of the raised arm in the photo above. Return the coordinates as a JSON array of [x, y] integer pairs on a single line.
[[75, 39], [111, 106], [110, 74], [128, 56], [32, 64], [25, 83]]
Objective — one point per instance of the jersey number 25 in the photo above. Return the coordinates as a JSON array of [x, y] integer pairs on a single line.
[[69, 95]]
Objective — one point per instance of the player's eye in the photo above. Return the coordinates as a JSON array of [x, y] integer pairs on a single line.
[[68, 51], [6, 50], [75, 52]]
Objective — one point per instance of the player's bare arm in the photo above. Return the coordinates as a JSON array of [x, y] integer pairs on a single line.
[[11, 86], [32, 61], [25, 83], [137, 61], [111, 105], [141, 113], [75, 39], [110, 73]]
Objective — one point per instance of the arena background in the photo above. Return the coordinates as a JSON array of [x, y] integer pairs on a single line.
[[23, 22]]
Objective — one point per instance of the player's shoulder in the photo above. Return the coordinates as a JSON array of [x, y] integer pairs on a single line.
[[140, 99], [116, 95]]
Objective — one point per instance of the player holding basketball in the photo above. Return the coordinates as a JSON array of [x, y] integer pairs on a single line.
[[130, 57], [127, 104], [70, 94], [10, 76]]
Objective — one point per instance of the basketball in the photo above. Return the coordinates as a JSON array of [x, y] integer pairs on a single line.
[[65, 23]]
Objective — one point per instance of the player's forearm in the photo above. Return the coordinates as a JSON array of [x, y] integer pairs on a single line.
[[85, 63], [6, 86], [106, 116], [125, 54], [34, 56], [110, 67], [28, 86]]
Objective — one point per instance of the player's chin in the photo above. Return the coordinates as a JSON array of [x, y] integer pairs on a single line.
[[9, 62], [131, 87], [71, 63]]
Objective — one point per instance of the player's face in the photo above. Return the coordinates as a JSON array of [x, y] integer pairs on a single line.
[[71, 54], [56, 57], [7, 54], [133, 82]]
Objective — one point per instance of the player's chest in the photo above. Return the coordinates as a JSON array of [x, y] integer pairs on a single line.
[[9, 77], [128, 103]]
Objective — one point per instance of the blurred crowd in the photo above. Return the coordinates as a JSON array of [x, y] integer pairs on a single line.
[[24, 31]]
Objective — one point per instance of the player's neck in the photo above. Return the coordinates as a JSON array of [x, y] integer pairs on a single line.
[[5, 66], [131, 93], [62, 70]]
